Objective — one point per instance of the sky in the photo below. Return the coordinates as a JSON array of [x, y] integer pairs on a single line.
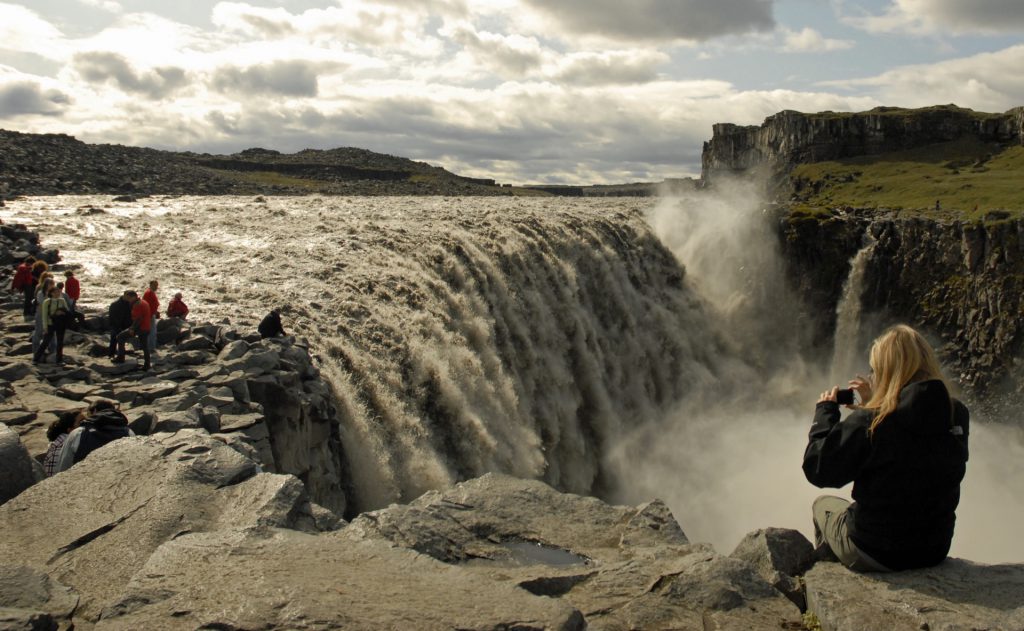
[[523, 91]]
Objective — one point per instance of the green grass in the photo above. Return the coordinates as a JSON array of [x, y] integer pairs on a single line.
[[969, 178]]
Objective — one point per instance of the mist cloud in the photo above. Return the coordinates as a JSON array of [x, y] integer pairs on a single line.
[[104, 67]]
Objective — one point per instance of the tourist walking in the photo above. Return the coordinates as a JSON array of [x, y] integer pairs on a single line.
[[43, 287], [119, 319], [154, 309], [177, 308], [905, 450], [55, 320]]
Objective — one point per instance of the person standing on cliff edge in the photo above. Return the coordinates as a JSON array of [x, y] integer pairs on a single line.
[[904, 449]]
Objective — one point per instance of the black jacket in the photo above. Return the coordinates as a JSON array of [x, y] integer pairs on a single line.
[[906, 477], [271, 326], [120, 315]]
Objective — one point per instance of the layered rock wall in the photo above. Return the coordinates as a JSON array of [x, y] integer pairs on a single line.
[[790, 137], [960, 282]]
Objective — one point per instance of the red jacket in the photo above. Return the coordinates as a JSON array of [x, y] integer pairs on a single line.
[[140, 316], [72, 288], [176, 309], [22, 277], [152, 301]]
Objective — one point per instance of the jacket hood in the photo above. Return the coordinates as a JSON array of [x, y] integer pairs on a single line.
[[925, 407], [108, 418]]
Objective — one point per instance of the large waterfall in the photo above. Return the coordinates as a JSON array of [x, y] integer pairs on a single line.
[[626, 348], [848, 357]]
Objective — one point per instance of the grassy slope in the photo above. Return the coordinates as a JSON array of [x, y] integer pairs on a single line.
[[968, 177]]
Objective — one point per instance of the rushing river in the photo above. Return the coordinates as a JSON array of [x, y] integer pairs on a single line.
[[555, 339]]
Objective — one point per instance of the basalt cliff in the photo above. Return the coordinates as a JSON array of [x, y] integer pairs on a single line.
[[955, 271]]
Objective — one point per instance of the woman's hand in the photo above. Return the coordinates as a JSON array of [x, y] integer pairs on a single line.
[[862, 385], [829, 395]]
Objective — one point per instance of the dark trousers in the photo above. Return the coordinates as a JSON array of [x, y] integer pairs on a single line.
[[144, 341], [116, 346], [30, 292], [55, 331]]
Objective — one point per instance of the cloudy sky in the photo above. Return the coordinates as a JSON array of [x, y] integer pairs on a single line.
[[568, 91]]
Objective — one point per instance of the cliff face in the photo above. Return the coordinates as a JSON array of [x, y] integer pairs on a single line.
[[959, 282], [789, 137]]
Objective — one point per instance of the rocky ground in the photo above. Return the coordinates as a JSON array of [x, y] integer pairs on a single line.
[[208, 519]]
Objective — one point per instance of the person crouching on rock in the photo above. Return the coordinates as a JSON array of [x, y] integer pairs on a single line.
[[271, 325], [141, 323], [177, 308], [57, 433], [103, 424], [119, 319], [904, 449], [55, 316]]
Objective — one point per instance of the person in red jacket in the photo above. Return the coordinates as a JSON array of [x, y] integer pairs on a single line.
[[154, 310], [72, 288], [176, 308], [141, 324], [25, 283]]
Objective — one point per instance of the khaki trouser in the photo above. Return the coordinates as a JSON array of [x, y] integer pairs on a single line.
[[830, 527]]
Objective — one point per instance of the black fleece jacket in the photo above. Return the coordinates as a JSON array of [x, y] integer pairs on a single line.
[[906, 477]]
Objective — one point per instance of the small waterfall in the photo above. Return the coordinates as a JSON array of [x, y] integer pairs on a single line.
[[847, 356]]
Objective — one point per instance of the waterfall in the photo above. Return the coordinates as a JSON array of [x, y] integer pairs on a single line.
[[848, 357]]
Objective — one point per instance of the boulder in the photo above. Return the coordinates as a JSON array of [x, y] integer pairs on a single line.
[[130, 497], [17, 472], [956, 594], [14, 371], [779, 555], [233, 350], [28, 589]]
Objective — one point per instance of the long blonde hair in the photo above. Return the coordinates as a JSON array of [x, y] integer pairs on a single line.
[[899, 356]]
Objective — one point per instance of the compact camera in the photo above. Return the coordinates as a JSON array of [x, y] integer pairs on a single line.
[[845, 397]]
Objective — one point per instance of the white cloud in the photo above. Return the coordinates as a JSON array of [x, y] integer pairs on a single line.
[[809, 40], [987, 82], [25, 95], [927, 17], [110, 6], [24, 30]]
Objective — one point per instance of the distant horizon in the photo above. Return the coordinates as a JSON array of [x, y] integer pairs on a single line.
[[522, 91]]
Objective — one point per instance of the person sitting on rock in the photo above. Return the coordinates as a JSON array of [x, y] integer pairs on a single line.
[[142, 320], [271, 325], [119, 319], [905, 450], [57, 433], [24, 283], [103, 424], [55, 316], [177, 308]]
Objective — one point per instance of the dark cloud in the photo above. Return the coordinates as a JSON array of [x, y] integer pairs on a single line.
[[102, 67], [26, 97], [288, 78], [995, 15], [660, 19]]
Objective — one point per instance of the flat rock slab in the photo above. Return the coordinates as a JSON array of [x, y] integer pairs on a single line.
[[17, 417], [282, 579], [28, 399], [953, 596], [130, 497]]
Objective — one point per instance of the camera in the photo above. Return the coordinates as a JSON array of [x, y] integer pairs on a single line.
[[844, 397]]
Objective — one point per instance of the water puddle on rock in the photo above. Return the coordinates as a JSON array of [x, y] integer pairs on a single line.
[[530, 553]]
